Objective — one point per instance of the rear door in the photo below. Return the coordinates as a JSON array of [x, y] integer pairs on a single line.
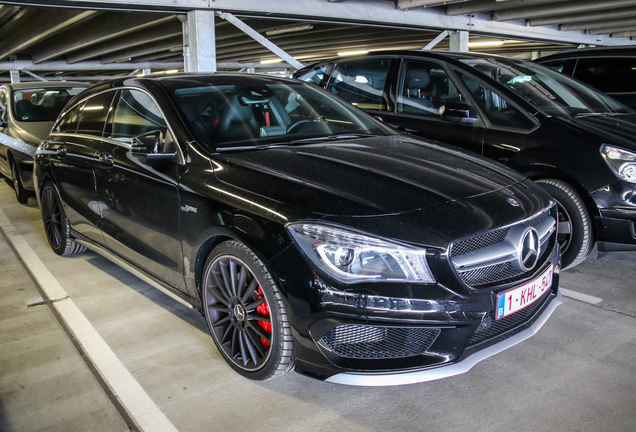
[[138, 197], [73, 150]]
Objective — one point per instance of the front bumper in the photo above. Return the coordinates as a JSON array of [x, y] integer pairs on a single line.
[[360, 338], [615, 226], [463, 365]]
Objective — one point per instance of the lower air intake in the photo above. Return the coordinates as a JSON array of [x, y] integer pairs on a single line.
[[372, 342]]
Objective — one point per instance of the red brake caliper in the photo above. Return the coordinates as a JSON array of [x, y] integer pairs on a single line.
[[263, 309]]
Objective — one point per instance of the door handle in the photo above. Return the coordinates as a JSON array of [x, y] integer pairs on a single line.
[[61, 152], [106, 159]]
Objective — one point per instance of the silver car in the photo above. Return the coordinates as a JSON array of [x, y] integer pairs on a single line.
[[27, 113]]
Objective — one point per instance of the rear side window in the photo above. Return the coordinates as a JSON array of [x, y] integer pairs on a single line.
[[361, 82], [608, 74], [92, 114]]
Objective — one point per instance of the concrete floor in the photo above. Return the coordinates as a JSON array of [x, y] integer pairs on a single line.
[[137, 359]]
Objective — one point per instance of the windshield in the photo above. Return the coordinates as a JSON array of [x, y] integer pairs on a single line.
[[254, 113], [550, 91], [41, 104]]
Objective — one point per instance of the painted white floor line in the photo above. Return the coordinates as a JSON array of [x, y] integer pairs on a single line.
[[580, 296], [146, 415]]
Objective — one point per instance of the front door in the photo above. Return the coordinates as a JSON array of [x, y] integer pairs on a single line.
[[139, 198]]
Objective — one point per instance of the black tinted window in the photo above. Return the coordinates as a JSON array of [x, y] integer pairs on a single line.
[[424, 88], [316, 76], [361, 82], [498, 110], [136, 114], [68, 122], [92, 114], [608, 74]]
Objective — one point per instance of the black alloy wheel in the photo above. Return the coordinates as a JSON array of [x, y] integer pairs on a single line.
[[56, 226], [245, 313], [21, 194], [574, 228]]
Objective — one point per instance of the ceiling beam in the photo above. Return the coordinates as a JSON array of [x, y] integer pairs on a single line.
[[143, 50], [39, 28], [493, 5], [168, 30], [100, 30], [414, 4], [584, 17], [602, 24], [62, 66], [560, 9], [371, 12]]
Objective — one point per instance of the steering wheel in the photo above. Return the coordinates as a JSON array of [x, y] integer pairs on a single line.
[[295, 124]]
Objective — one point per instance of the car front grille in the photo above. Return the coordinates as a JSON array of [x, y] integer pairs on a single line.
[[490, 328], [377, 342], [479, 260]]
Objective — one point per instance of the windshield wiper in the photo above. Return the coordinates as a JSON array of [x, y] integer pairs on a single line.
[[294, 142], [331, 138], [598, 114]]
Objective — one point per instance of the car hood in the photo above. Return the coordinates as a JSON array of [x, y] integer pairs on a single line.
[[615, 129], [362, 177]]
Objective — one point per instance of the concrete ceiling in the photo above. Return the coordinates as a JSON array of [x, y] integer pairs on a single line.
[[91, 39]]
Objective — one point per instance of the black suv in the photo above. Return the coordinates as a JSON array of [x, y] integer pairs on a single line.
[[576, 142], [611, 70], [309, 234]]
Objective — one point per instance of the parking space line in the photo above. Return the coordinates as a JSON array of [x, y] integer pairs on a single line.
[[585, 298], [134, 399]]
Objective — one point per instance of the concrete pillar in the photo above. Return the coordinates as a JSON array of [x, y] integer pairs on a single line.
[[199, 42], [458, 41]]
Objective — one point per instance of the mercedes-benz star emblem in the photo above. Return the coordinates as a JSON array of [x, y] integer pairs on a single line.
[[528, 249], [239, 312]]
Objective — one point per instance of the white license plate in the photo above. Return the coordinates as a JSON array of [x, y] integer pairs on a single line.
[[518, 298]]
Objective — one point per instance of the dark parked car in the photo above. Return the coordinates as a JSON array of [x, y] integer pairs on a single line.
[[309, 234], [27, 113], [611, 70], [576, 142]]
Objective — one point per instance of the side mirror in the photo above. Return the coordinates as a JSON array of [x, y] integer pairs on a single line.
[[459, 113], [148, 147]]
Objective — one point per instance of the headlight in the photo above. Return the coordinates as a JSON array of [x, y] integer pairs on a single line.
[[351, 257], [622, 162]]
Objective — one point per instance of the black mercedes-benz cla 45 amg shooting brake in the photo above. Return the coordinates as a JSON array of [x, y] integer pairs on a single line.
[[309, 235]]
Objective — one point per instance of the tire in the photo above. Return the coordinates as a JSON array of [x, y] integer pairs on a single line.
[[21, 194], [574, 227], [56, 226], [240, 299]]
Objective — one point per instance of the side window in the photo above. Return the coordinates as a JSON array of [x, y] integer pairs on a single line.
[[136, 113], [498, 110], [423, 88], [316, 76], [361, 82], [608, 74], [68, 122], [557, 65], [92, 114]]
